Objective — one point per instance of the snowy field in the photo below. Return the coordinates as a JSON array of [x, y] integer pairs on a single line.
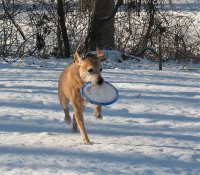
[[157, 133]]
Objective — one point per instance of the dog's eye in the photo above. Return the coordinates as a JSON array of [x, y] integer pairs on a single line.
[[100, 70], [90, 70]]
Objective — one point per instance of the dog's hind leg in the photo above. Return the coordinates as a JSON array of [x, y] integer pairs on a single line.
[[64, 101], [67, 116], [74, 125], [97, 112]]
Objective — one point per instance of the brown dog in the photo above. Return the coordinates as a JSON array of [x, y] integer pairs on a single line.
[[70, 83]]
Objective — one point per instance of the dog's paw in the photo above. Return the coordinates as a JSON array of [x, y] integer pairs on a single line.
[[97, 115], [68, 120], [87, 143]]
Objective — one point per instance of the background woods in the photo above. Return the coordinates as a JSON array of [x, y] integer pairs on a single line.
[[55, 28]]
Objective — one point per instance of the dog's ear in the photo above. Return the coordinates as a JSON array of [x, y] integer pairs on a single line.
[[100, 54], [77, 57]]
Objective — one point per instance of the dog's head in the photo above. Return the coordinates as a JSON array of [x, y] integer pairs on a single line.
[[90, 67]]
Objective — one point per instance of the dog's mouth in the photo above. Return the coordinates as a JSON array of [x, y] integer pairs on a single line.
[[98, 82]]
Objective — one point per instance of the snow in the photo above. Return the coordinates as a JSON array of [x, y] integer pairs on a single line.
[[153, 129]]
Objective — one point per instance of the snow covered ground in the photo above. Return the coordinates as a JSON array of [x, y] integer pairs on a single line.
[[157, 133]]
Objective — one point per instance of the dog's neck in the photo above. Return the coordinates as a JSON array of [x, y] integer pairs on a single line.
[[76, 73]]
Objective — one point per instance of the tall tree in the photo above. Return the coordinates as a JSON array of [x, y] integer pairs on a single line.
[[101, 29], [61, 18]]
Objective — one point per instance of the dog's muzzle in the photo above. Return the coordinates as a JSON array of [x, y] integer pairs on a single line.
[[100, 81]]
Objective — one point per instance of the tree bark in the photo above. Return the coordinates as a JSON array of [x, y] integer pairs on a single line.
[[101, 29], [61, 20]]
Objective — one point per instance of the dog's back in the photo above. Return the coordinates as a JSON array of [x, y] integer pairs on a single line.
[[67, 83]]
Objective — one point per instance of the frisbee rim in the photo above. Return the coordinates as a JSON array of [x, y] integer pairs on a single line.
[[95, 102]]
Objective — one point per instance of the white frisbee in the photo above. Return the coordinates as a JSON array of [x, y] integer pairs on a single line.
[[105, 94]]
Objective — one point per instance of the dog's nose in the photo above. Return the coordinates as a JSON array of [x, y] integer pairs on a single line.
[[100, 81]]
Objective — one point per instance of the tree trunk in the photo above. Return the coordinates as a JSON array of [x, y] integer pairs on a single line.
[[101, 32], [61, 18]]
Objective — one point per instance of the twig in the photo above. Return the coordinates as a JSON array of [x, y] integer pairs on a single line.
[[14, 23]]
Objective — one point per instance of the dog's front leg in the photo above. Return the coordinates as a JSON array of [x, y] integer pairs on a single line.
[[97, 112], [80, 122], [78, 113]]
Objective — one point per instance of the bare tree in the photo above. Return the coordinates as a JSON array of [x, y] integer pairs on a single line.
[[53, 28], [61, 18], [101, 29]]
